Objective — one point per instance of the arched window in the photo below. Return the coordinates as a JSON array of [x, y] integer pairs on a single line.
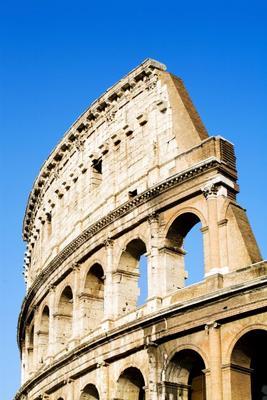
[[64, 317], [185, 378], [132, 286], [183, 252], [90, 392], [142, 281], [131, 385], [43, 334], [249, 365], [92, 298]]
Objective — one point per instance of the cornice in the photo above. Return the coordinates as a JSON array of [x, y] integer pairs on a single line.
[[101, 110], [155, 317], [111, 217]]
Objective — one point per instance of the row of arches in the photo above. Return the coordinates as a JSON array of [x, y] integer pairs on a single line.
[[130, 286], [62, 320], [186, 375]]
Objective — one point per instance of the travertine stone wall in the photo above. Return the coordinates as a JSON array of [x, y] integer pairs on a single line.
[[129, 180]]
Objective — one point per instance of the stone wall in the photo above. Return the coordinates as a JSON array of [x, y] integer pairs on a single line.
[[129, 180]]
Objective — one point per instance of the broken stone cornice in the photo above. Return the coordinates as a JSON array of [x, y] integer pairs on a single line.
[[98, 107]]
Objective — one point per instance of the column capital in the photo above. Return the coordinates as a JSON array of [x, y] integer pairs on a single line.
[[108, 243], [76, 266], [101, 364], [52, 287], [210, 190], [68, 381], [153, 218], [212, 325]]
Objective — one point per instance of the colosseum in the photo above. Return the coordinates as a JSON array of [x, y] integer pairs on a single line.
[[123, 189]]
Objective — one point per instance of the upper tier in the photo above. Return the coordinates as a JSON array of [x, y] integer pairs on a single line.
[[134, 136]]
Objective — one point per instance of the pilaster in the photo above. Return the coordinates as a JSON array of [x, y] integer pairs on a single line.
[[214, 332], [108, 285]]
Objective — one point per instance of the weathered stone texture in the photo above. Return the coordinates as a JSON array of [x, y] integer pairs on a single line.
[[128, 181]]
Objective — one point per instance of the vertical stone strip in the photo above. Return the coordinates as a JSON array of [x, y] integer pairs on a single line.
[[52, 324], [151, 390], [76, 302], [210, 192], [103, 377], [215, 390], [108, 286], [153, 265]]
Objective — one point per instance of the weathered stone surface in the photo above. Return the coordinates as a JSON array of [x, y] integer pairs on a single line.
[[130, 179]]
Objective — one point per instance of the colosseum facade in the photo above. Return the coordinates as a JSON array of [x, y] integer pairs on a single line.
[[126, 184]]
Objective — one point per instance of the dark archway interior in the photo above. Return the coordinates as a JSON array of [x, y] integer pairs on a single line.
[[131, 385], [94, 282], [136, 248], [185, 374], [65, 309], [90, 392], [133, 262], [250, 352]]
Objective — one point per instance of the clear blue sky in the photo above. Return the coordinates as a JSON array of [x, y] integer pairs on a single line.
[[58, 56]]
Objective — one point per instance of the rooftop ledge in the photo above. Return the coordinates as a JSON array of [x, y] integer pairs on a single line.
[[146, 68]]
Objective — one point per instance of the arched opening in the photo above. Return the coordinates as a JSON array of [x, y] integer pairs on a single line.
[[185, 378], [43, 335], [92, 298], [183, 252], [131, 385], [142, 281], [249, 365], [64, 316], [132, 285], [90, 392]]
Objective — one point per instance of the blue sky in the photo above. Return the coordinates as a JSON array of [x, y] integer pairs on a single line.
[[58, 56]]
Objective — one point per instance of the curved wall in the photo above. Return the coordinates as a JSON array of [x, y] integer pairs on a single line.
[[128, 182]]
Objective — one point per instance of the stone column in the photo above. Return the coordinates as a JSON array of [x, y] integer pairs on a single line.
[[103, 377], [28, 353], [108, 285], [52, 327], [210, 192], [76, 302], [222, 226], [36, 339], [215, 390], [154, 268], [23, 363], [70, 389], [152, 390]]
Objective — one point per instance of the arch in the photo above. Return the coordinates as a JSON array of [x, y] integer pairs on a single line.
[[241, 333], [131, 385], [87, 265], [185, 210], [181, 347], [64, 316], [90, 392], [92, 297], [248, 365], [182, 230], [131, 285], [44, 334], [184, 376]]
